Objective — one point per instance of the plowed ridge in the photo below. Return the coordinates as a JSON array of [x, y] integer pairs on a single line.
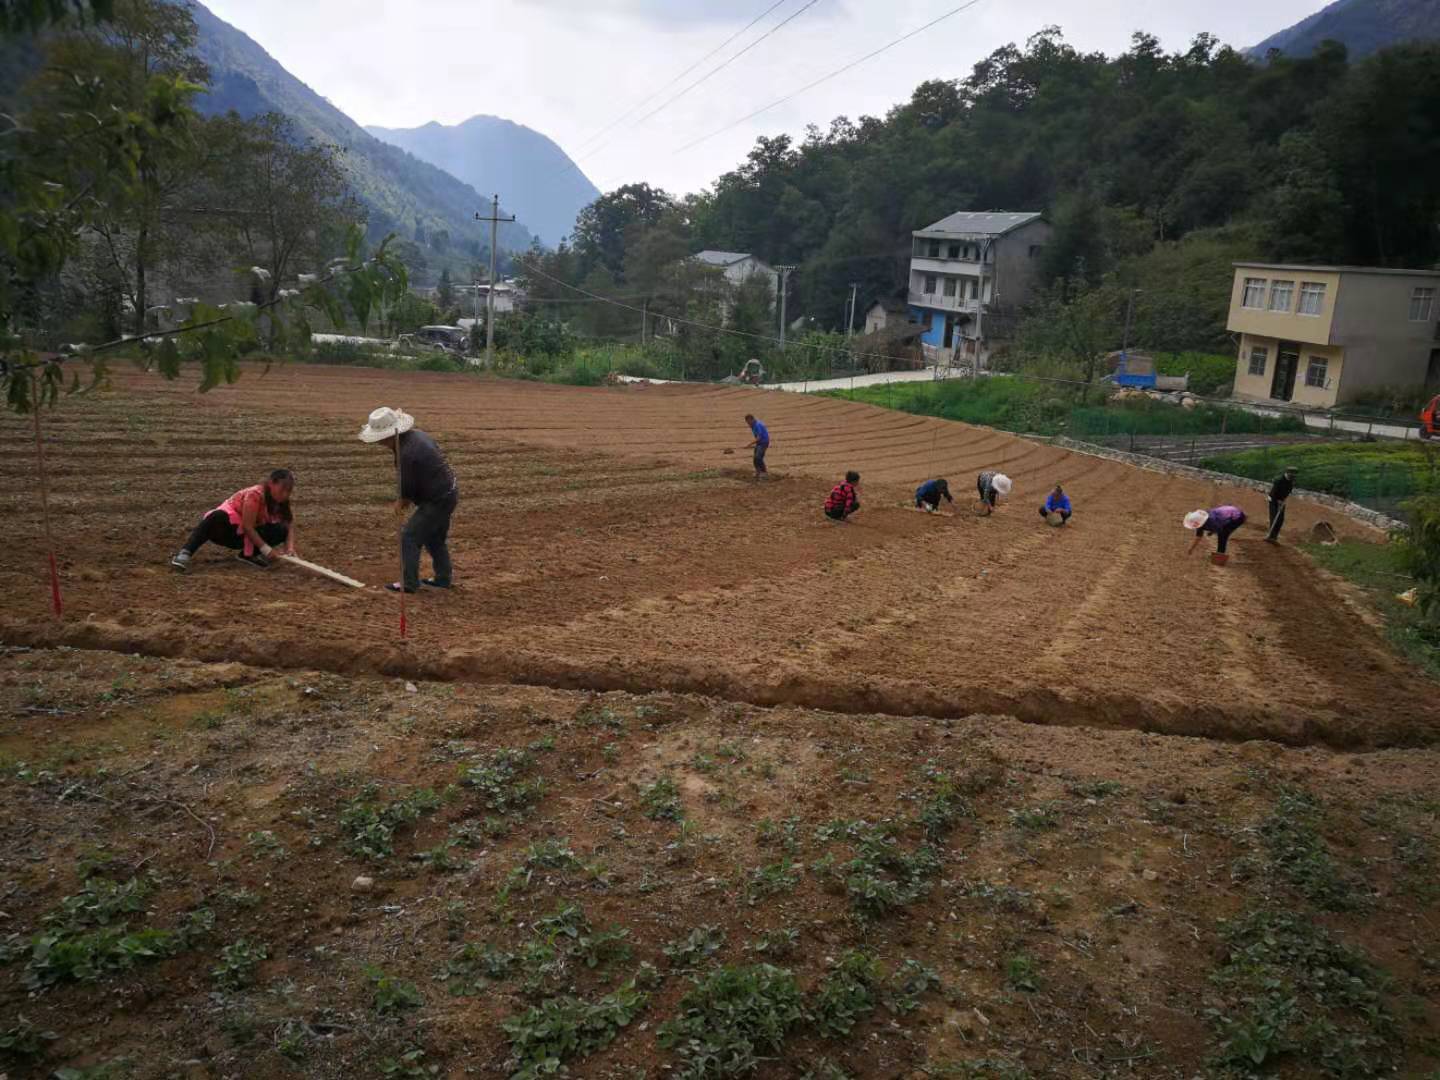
[[605, 540]]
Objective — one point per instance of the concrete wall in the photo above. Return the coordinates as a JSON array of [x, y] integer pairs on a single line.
[[1372, 319], [1286, 325], [1017, 271]]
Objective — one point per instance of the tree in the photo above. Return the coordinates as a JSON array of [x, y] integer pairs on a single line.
[[27, 16], [605, 227], [282, 202], [445, 291]]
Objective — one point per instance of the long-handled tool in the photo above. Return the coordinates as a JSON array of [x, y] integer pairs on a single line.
[[316, 568]]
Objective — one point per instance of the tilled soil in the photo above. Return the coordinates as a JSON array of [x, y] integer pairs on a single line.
[[605, 541]]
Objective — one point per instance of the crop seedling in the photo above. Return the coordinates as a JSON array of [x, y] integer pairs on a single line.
[[500, 781], [732, 1017], [24, 1040], [883, 876], [1035, 818], [1097, 789], [1020, 973], [438, 858], [847, 994], [475, 967], [370, 826], [391, 996], [768, 880], [410, 1065], [776, 943], [266, 843], [700, 944], [238, 962], [569, 932], [1299, 856], [661, 800], [560, 1029], [539, 856], [1292, 991], [782, 834]]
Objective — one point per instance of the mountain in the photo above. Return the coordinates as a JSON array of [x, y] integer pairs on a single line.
[[543, 186], [403, 194], [1363, 26]]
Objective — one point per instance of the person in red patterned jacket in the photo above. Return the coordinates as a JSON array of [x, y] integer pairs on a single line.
[[843, 500]]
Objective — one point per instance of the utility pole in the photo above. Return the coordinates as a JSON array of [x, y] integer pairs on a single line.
[[850, 309], [980, 311], [644, 319], [494, 220], [784, 294]]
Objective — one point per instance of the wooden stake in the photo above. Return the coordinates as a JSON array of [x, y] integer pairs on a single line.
[[398, 497], [316, 568]]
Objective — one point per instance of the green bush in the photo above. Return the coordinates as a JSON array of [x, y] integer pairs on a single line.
[[1358, 471], [1211, 374]]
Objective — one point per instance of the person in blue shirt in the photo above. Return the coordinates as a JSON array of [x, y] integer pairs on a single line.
[[760, 444], [929, 494], [1057, 502]]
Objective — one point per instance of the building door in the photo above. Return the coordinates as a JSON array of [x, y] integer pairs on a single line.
[[949, 331], [1287, 363]]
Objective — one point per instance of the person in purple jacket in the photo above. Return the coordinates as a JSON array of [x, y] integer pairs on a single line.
[[1220, 523]]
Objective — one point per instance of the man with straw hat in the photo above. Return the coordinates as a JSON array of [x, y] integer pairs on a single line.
[[425, 482]]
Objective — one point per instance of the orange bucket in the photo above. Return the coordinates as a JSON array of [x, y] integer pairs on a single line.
[[1219, 559]]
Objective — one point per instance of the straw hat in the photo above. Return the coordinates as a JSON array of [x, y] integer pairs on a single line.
[[1196, 518], [1003, 483], [385, 422]]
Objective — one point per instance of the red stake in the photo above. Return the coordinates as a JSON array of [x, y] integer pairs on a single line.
[[55, 603]]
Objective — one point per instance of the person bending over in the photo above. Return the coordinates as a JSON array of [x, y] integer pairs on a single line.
[[991, 486], [843, 500], [254, 521], [929, 494], [1221, 523]]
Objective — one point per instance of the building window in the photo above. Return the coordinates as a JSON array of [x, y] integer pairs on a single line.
[[1254, 293], [949, 286], [1259, 356], [1312, 297], [1282, 293], [1422, 303], [954, 251], [1315, 373], [934, 249], [929, 284]]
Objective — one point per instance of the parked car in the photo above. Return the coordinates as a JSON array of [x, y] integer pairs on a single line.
[[450, 339]]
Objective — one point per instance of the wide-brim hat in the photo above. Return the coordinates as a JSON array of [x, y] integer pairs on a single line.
[[1196, 518], [1002, 483], [385, 422]]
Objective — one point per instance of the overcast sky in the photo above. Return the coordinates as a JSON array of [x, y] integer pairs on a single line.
[[569, 68]]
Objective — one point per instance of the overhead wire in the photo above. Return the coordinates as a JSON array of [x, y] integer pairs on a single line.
[[834, 74]]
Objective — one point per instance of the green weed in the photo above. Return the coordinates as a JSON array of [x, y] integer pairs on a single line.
[[238, 962], [560, 1029], [391, 996], [765, 881], [661, 800], [501, 781], [699, 945], [475, 967], [370, 826], [847, 994], [1298, 854], [732, 1017]]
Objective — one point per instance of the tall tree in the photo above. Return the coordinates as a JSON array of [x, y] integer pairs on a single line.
[[615, 220]]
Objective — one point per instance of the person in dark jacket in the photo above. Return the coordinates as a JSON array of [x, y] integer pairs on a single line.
[[1057, 502], [843, 499], [1220, 523], [1279, 491], [427, 484], [929, 494]]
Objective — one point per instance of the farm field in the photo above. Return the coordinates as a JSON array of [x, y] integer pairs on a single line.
[[683, 773]]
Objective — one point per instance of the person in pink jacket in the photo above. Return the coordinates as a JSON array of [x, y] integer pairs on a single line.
[[1219, 522], [253, 522]]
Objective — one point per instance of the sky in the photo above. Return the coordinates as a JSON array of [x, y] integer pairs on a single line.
[[573, 68]]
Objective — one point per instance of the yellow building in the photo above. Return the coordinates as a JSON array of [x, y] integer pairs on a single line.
[[1321, 335]]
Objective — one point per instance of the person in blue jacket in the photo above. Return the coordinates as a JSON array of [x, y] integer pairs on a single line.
[[929, 494], [761, 443], [1057, 502]]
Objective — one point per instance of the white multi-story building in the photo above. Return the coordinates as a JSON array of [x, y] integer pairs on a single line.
[[970, 268]]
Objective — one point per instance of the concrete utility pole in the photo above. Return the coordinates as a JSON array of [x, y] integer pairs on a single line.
[[850, 309], [644, 318], [784, 293], [494, 220]]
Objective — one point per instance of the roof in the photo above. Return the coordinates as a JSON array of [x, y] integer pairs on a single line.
[[723, 258], [1300, 267], [980, 223]]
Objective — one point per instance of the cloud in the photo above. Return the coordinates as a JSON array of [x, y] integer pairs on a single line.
[[663, 14]]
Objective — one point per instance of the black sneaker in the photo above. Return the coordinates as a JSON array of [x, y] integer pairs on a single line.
[[431, 583], [256, 560]]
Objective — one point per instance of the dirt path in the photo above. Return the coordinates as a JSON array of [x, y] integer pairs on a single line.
[[605, 541]]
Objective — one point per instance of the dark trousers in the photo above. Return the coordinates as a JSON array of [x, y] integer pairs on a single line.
[[1064, 514], [933, 504], [760, 458], [217, 528], [1277, 518], [428, 528], [987, 497], [839, 513], [1222, 537]]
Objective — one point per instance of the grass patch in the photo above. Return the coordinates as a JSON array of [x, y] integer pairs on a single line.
[[1298, 855], [1293, 993], [1359, 471], [1380, 571], [370, 826]]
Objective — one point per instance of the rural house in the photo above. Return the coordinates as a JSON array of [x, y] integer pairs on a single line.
[[1323, 335], [737, 265], [970, 269]]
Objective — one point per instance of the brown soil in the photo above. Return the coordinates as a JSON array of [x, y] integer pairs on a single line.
[[605, 542]]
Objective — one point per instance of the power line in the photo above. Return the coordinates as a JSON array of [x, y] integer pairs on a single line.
[[652, 96], [826, 78]]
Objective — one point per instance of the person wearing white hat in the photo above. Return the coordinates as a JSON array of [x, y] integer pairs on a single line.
[[426, 483], [1220, 523], [991, 486]]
